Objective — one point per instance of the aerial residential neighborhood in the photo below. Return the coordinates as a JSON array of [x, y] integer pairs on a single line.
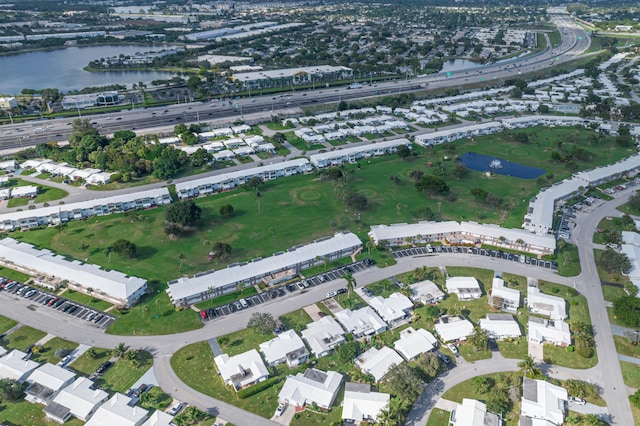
[[318, 213]]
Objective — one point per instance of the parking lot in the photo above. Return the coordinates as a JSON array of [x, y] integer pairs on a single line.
[[59, 303], [496, 254], [283, 290]]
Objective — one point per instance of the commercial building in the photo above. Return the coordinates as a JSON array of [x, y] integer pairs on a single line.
[[361, 404], [50, 269], [313, 387], [270, 270], [73, 211]]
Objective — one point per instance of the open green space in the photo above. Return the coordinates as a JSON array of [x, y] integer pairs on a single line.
[[514, 348], [6, 324], [26, 413], [47, 353], [630, 374], [195, 366], [296, 320], [438, 417], [87, 364], [242, 340], [87, 300], [125, 373], [22, 338], [13, 275], [624, 347]]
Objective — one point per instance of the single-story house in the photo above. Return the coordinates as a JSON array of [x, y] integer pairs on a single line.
[[451, 329], [286, 347], [323, 335], [502, 297], [360, 403], [500, 326], [414, 342], [394, 309], [46, 381], [378, 362], [362, 322], [314, 386], [16, 366], [467, 288], [426, 292], [242, 370], [539, 303], [544, 401], [79, 400], [473, 413], [117, 411], [555, 332]]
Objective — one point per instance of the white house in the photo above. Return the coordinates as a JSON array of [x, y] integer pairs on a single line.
[[79, 400], [473, 413], [378, 362], [543, 401], [394, 309], [323, 335], [15, 366], [46, 381], [426, 292], [314, 386], [362, 322], [451, 329], [500, 326], [242, 370], [361, 404], [539, 303], [466, 288], [286, 347], [502, 297], [117, 411], [414, 342], [555, 332]]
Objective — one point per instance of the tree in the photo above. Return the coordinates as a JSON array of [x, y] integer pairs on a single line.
[[125, 248], [528, 368], [479, 339], [120, 349], [403, 382], [221, 249], [356, 201], [183, 213], [613, 261], [226, 209], [403, 151], [263, 322]]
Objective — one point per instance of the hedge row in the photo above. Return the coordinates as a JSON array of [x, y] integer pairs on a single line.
[[258, 387]]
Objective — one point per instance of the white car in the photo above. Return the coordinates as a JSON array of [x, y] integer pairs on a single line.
[[452, 348], [280, 409]]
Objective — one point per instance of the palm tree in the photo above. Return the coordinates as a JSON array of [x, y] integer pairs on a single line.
[[120, 350], [351, 283], [528, 368], [181, 257]]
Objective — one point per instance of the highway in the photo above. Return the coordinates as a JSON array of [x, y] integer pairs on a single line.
[[16, 136]]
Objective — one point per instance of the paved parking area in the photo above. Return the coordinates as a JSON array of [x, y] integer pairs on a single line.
[[284, 290]]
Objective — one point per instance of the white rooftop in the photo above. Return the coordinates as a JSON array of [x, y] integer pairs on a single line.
[[414, 342], [378, 362]]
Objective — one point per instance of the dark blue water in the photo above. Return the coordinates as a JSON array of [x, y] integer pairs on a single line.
[[481, 163]]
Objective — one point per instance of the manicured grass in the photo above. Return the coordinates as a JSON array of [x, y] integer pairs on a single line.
[[87, 365], [124, 373], [242, 341], [230, 297], [26, 413], [23, 337], [624, 347], [438, 417], [87, 300], [195, 366], [13, 275], [296, 320], [158, 399], [6, 324], [630, 374], [568, 260], [516, 348], [47, 354], [469, 354]]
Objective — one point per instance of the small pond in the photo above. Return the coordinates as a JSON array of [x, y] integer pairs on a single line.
[[486, 163]]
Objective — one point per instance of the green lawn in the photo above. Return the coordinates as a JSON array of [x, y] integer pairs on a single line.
[[23, 337], [296, 320], [624, 347], [514, 348], [47, 354], [87, 300], [124, 373], [630, 374], [87, 365], [26, 413], [6, 324], [13, 275], [194, 365], [438, 417], [242, 341]]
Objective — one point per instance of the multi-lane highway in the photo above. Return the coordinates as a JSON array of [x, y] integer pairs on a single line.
[[574, 41]]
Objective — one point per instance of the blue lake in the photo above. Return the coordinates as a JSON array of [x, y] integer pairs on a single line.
[[486, 163]]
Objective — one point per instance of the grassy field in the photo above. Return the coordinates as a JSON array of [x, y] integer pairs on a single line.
[[630, 374], [23, 337], [6, 324], [47, 354]]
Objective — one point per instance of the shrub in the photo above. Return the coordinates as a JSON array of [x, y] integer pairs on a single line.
[[258, 387]]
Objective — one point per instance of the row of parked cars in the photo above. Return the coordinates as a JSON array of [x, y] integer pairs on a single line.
[[283, 290]]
